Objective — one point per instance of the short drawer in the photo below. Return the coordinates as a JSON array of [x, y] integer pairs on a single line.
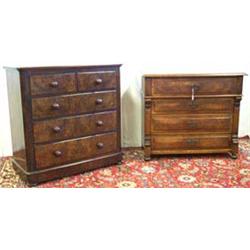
[[73, 104], [191, 123], [53, 84], [72, 127], [199, 105], [200, 86], [89, 81], [74, 150], [192, 142]]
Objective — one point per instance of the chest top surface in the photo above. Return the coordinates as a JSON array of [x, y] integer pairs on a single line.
[[177, 75]]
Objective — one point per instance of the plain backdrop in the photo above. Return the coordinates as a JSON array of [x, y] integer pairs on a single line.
[[146, 37]]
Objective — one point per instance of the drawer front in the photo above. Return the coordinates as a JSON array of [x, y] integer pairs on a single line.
[[89, 81], [186, 142], [74, 150], [200, 105], [201, 86], [66, 128], [73, 104], [191, 123], [53, 84]]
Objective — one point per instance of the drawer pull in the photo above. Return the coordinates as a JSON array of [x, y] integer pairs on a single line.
[[100, 145], [194, 88], [192, 93], [99, 123], [191, 141], [55, 106], [56, 129], [57, 153], [54, 84], [98, 81], [99, 101]]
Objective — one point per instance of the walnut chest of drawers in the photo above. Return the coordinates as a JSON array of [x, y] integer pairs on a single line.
[[191, 113], [64, 120]]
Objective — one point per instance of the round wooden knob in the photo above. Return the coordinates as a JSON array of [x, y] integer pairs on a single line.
[[99, 123], [99, 80], [54, 84], [55, 106], [56, 129], [100, 145], [57, 153], [99, 101]]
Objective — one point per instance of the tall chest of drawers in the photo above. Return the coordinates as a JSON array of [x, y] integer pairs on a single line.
[[64, 120], [191, 113]]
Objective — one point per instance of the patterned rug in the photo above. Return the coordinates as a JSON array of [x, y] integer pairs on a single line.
[[206, 171]]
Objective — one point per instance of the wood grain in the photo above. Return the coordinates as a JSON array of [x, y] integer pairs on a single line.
[[53, 84], [191, 124], [198, 142], [68, 126], [199, 105], [196, 113], [90, 81], [206, 86], [73, 104], [74, 150], [73, 127]]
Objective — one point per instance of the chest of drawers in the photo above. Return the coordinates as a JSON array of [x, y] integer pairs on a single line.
[[191, 113], [64, 120]]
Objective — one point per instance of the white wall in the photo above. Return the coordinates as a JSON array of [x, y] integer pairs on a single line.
[[146, 36]]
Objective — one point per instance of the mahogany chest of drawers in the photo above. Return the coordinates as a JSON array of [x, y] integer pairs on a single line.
[[191, 113], [64, 120]]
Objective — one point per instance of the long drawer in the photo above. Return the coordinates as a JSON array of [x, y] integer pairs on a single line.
[[77, 126], [56, 106], [199, 105], [53, 83], [74, 150], [190, 142], [191, 123], [201, 86]]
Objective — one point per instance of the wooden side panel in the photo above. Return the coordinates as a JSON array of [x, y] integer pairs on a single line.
[[235, 126], [16, 117], [147, 119], [118, 108]]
